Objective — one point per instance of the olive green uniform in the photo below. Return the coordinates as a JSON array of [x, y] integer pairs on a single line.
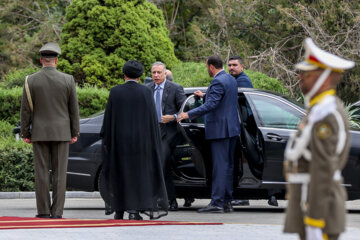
[[316, 196], [54, 121]]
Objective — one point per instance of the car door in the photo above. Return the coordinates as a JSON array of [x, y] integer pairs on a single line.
[[190, 155], [277, 118]]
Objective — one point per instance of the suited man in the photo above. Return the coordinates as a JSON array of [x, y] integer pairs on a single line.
[[168, 97], [221, 129], [51, 107], [236, 69]]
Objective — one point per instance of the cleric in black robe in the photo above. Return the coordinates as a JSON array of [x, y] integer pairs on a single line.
[[132, 166]]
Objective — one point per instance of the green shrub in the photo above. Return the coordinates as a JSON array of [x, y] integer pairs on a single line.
[[6, 129], [91, 100], [262, 81], [16, 166], [10, 104], [100, 36], [16, 78], [191, 74]]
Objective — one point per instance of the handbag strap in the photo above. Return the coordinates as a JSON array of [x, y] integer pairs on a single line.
[[27, 89]]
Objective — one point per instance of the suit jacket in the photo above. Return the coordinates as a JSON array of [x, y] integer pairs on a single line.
[[220, 108], [56, 113], [172, 98], [244, 81]]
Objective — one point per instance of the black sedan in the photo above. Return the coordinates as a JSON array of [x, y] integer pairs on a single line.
[[267, 121]]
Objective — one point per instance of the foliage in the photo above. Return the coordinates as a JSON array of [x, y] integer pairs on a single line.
[[16, 78], [353, 113], [16, 166], [91, 100], [193, 74], [10, 104], [268, 34], [100, 36], [25, 25]]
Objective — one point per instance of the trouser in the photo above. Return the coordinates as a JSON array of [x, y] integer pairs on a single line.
[[50, 156], [222, 151], [169, 139]]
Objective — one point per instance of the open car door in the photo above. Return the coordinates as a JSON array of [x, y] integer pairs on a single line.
[[191, 153]]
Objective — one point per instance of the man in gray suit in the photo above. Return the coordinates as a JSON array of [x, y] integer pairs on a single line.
[[168, 97], [50, 121]]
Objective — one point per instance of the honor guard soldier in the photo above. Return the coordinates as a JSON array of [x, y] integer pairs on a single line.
[[316, 154], [49, 106]]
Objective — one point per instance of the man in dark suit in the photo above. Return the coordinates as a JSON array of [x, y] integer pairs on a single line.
[[236, 69], [49, 103], [168, 97], [222, 128]]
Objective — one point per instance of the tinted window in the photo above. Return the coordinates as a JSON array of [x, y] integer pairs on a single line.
[[275, 113], [192, 103]]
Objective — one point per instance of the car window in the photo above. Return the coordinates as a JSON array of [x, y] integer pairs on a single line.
[[275, 113], [191, 103]]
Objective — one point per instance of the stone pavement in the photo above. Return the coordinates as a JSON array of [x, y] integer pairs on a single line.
[[255, 222]]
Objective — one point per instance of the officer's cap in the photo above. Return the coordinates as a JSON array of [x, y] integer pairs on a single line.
[[51, 49], [133, 69], [317, 58]]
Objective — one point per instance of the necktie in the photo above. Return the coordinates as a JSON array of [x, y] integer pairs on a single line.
[[158, 103]]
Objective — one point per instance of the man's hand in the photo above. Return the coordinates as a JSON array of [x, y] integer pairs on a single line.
[[27, 140], [182, 116], [313, 233], [73, 140], [167, 118], [199, 93]]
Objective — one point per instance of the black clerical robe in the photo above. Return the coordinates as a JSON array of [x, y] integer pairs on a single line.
[[132, 164]]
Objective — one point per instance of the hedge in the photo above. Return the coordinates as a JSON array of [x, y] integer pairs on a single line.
[[191, 74], [16, 162], [91, 100]]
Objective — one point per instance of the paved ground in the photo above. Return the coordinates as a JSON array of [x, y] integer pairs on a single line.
[[258, 221]]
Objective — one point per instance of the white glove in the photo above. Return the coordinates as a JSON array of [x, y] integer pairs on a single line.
[[313, 233]]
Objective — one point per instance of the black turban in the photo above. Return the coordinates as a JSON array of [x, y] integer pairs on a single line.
[[133, 69]]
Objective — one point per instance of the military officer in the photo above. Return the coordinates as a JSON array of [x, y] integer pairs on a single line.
[[316, 154], [50, 106]]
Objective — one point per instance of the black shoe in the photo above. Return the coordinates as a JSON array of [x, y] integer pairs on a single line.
[[108, 210], [272, 201], [173, 205], [43, 216], [211, 209], [228, 207], [135, 216], [188, 202], [56, 216], [119, 215], [240, 202]]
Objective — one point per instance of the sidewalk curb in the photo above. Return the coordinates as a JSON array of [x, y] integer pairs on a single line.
[[69, 194]]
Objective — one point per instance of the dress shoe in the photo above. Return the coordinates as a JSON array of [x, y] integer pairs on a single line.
[[119, 215], [173, 205], [135, 216], [188, 202], [272, 201], [211, 209], [240, 202], [228, 207], [43, 216], [56, 216]]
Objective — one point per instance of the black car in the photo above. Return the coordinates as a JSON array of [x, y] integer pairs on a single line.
[[267, 121]]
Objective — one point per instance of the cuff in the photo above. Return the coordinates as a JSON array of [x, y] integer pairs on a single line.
[[318, 223]]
